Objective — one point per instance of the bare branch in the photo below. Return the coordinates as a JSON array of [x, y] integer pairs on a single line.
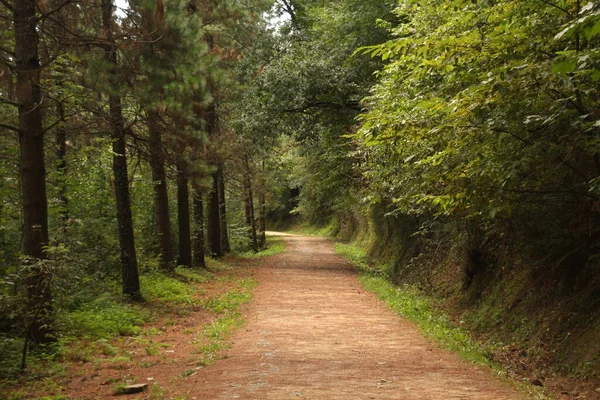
[[57, 9], [557, 7], [326, 105]]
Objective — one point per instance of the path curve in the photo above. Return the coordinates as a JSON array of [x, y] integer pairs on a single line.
[[313, 332]]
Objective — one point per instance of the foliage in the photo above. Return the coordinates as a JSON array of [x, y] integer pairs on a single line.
[[304, 82], [415, 306], [474, 117], [275, 245], [193, 275], [161, 288], [104, 318]]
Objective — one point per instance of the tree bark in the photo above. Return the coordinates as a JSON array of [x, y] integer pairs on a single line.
[[214, 219], [262, 211], [161, 196], [32, 171], [199, 246], [218, 238], [61, 156], [183, 215], [225, 245], [249, 205], [129, 269]]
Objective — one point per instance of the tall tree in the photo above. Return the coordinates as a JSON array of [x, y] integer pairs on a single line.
[[213, 227], [262, 208], [153, 64], [214, 223], [183, 214], [32, 168], [161, 195], [198, 243], [249, 203], [225, 245], [129, 269]]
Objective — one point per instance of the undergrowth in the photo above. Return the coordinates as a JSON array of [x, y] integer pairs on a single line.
[[212, 341], [275, 245], [317, 230], [413, 305], [104, 317], [416, 307], [96, 316], [157, 287]]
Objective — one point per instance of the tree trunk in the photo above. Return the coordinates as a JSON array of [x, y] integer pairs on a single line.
[[199, 247], [129, 269], [214, 219], [33, 171], [262, 211], [218, 239], [183, 215], [223, 212], [249, 200], [161, 196], [61, 156]]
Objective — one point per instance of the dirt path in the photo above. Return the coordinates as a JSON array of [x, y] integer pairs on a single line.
[[314, 333]]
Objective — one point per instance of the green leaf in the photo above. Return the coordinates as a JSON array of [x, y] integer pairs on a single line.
[[592, 30], [564, 67], [587, 7], [563, 32]]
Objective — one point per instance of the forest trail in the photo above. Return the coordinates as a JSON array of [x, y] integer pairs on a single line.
[[313, 332]]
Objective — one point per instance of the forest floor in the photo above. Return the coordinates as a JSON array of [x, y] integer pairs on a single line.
[[311, 331]]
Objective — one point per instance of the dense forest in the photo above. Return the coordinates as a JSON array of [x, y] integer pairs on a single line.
[[456, 140]]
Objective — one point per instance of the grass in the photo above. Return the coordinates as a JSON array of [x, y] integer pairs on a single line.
[[104, 317], [314, 230], [160, 288], [275, 245], [420, 309], [213, 339], [90, 324], [416, 307], [194, 274]]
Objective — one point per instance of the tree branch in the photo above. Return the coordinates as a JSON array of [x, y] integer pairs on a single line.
[[57, 9], [287, 6], [526, 141], [547, 192], [326, 105], [557, 7]]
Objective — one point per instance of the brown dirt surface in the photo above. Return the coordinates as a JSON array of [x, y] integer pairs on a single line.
[[164, 357], [313, 332]]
